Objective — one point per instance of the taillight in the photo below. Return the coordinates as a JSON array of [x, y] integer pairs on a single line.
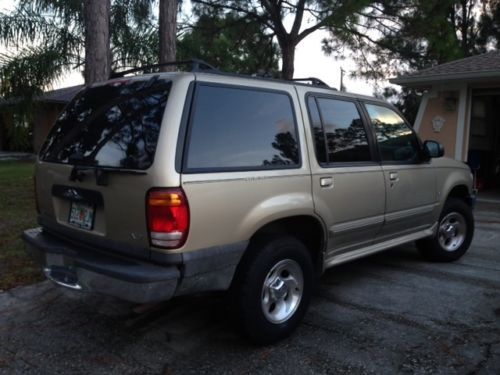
[[168, 217]]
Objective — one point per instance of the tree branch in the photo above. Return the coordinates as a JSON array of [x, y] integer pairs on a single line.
[[297, 22]]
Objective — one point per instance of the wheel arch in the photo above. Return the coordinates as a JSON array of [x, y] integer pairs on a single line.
[[308, 229], [461, 191]]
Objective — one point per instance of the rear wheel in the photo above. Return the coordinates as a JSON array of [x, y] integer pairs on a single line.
[[453, 235], [273, 288]]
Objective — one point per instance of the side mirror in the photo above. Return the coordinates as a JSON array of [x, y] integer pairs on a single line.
[[433, 149]]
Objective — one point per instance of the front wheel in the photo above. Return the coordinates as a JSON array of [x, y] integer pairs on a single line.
[[453, 235], [273, 288]]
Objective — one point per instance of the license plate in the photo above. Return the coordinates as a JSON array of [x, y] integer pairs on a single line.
[[81, 215]]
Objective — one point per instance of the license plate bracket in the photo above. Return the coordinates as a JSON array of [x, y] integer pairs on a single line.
[[82, 215]]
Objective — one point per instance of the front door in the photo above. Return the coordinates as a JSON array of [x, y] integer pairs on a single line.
[[411, 193], [484, 139]]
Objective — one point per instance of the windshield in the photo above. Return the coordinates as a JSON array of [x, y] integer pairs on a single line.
[[113, 125]]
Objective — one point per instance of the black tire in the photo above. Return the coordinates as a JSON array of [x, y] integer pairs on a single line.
[[449, 245], [249, 295]]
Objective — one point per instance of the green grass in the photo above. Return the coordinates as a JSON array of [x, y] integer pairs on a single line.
[[17, 212]]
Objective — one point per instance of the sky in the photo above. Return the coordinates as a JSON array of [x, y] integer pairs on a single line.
[[310, 61]]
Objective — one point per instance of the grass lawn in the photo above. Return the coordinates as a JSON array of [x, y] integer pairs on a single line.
[[17, 212]]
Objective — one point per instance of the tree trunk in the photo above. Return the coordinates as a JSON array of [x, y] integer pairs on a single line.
[[168, 33], [465, 28], [288, 58], [97, 50]]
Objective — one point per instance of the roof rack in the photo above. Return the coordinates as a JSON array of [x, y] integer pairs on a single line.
[[314, 81], [196, 66], [202, 66]]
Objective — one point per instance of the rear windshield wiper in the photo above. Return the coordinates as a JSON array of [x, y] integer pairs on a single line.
[[78, 173]]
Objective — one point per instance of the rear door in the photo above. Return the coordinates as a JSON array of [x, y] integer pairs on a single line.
[[347, 181], [92, 174], [411, 194]]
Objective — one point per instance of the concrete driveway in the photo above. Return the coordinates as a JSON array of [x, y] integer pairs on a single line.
[[389, 313]]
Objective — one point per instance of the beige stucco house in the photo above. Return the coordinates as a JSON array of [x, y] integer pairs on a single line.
[[460, 108]]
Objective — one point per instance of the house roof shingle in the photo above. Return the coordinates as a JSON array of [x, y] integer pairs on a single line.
[[59, 96], [486, 65], [62, 96]]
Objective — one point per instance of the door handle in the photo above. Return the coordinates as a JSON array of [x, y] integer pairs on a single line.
[[326, 182], [393, 176]]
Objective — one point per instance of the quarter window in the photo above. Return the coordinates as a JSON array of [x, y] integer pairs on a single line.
[[340, 133], [242, 129], [396, 140]]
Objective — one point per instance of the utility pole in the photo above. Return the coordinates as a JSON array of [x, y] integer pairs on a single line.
[[342, 88]]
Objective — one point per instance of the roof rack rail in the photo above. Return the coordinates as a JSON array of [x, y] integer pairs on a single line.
[[314, 81], [196, 66]]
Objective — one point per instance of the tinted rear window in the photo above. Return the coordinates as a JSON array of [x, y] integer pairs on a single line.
[[242, 129], [114, 125]]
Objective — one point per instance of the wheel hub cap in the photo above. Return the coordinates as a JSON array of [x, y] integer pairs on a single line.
[[282, 291], [278, 289], [452, 231]]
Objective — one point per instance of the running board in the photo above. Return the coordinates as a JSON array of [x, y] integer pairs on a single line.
[[372, 249]]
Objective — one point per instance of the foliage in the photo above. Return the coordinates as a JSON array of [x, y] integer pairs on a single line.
[[45, 40], [134, 34], [489, 24], [41, 49], [232, 43], [395, 36], [315, 14], [19, 134]]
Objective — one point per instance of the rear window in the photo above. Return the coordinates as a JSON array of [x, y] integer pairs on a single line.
[[114, 125], [235, 128]]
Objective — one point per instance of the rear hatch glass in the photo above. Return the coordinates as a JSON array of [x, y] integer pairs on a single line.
[[92, 181], [115, 125]]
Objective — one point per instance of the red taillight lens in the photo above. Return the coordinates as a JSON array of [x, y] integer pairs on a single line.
[[168, 217]]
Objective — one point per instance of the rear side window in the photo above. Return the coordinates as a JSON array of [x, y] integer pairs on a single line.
[[241, 129], [396, 140], [112, 125], [339, 133]]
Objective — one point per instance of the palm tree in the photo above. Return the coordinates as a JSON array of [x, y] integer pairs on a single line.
[[97, 41], [168, 32], [45, 39]]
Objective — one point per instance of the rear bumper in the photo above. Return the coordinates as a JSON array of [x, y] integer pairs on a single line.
[[82, 269], [87, 269]]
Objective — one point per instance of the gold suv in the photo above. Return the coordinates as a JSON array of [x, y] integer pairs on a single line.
[[159, 185]]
